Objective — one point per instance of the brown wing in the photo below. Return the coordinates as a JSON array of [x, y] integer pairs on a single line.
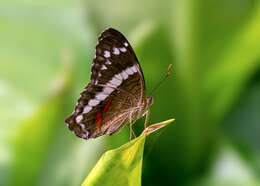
[[121, 105], [117, 86]]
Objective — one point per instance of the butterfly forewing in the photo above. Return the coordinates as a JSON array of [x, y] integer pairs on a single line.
[[116, 88]]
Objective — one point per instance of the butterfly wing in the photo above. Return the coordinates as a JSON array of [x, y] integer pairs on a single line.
[[117, 87]]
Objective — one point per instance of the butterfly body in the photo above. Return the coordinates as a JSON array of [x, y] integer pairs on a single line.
[[116, 93]]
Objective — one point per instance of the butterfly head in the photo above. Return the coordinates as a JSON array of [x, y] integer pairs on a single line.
[[148, 102]]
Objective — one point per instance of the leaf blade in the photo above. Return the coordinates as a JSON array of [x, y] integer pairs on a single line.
[[122, 166]]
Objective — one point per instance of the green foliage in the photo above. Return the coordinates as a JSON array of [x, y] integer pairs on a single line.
[[122, 166], [34, 138]]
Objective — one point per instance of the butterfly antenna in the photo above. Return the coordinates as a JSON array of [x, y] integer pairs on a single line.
[[168, 72]]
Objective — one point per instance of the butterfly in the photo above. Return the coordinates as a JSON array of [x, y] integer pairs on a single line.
[[116, 93]]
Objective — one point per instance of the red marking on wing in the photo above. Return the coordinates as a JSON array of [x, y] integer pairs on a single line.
[[99, 114], [106, 106], [98, 117]]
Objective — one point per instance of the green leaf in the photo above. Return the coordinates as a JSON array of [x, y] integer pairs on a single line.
[[33, 140], [229, 169], [122, 166], [225, 82]]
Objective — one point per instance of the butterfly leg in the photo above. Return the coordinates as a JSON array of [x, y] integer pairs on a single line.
[[131, 121], [147, 116], [131, 128]]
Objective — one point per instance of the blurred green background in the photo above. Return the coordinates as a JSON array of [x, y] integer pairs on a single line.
[[214, 92]]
